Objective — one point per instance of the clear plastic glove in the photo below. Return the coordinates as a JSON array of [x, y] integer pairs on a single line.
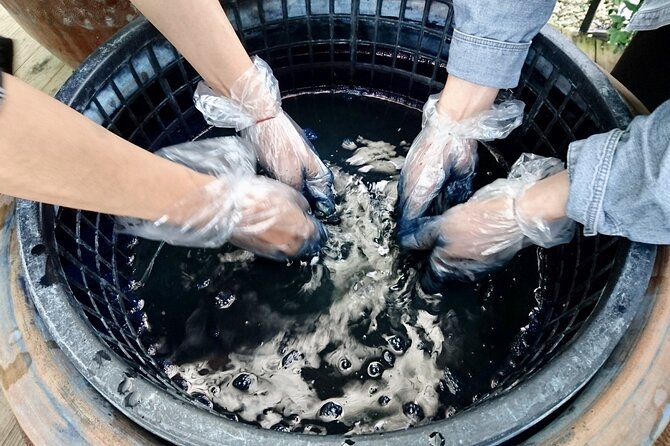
[[283, 151], [484, 233], [252, 212], [444, 155]]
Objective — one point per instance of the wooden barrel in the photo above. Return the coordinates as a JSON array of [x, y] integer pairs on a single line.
[[71, 29]]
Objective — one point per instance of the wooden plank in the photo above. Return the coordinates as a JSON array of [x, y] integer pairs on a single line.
[[10, 433], [8, 27], [32, 63], [24, 47], [39, 69], [57, 80], [664, 439]]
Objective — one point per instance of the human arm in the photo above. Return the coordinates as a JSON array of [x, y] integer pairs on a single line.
[[52, 154], [620, 180], [202, 33], [470, 239], [244, 95], [617, 183], [487, 51], [488, 48]]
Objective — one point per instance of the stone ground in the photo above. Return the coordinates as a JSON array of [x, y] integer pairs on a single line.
[[569, 14]]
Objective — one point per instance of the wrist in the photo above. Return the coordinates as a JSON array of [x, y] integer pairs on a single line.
[[546, 199], [257, 91], [182, 199], [461, 99]]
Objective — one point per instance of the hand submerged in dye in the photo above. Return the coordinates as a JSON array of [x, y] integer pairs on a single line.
[[252, 212], [444, 155], [484, 233], [283, 151]]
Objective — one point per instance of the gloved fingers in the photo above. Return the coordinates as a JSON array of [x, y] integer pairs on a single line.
[[443, 267], [283, 242], [277, 143], [457, 190], [437, 153], [318, 178], [462, 157], [286, 155], [254, 107], [486, 232], [319, 192], [279, 226], [434, 277], [422, 176], [420, 233], [214, 156], [255, 213]]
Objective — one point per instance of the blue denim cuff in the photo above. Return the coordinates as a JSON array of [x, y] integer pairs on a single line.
[[589, 166], [651, 15], [488, 62]]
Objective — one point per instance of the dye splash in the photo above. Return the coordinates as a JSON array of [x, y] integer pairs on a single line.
[[345, 342]]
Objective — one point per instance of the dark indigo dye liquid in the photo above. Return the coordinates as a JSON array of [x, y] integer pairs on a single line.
[[346, 342]]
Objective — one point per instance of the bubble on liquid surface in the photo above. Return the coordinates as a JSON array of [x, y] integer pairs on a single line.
[[281, 427], [375, 369], [384, 400], [397, 343], [224, 300], [413, 411], [389, 358], [310, 134], [291, 358], [330, 410], [243, 381], [436, 439]]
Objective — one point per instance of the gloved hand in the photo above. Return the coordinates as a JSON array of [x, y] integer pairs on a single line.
[[484, 233], [252, 212], [283, 151], [444, 155]]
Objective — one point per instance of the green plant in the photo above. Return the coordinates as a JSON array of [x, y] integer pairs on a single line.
[[617, 34]]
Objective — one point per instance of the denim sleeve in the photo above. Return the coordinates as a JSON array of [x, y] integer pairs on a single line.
[[491, 39], [652, 15], [620, 180]]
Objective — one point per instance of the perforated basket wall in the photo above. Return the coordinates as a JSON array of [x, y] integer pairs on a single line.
[[139, 87]]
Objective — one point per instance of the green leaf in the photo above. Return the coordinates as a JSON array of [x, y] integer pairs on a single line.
[[631, 6]]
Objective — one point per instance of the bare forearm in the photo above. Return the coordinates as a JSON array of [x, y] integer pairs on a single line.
[[461, 99], [52, 154], [200, 30]]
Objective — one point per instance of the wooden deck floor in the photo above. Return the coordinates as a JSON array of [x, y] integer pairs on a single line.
[[32, 62]]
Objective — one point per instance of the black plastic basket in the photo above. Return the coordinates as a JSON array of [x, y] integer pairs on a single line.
[[139, 87]]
